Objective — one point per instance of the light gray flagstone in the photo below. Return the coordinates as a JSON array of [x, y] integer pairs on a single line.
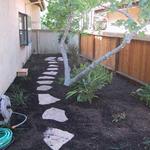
[[50, 58], [55, 114], [56, 138], [46, 77], [50, 73], [43, 88], [45, 82], [52, 69], [60, 59], [52, 62], [45, 99], [53, 65]]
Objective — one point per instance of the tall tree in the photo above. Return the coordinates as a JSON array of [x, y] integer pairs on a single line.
[[66, 14]]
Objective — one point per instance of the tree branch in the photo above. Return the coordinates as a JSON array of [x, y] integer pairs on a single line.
[[127, 39]]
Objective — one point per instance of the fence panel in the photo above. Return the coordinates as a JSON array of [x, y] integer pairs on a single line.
[[134, 60], [87, 45], [104, 45]]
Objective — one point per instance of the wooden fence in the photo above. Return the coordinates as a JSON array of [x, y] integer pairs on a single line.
[[133, 61]]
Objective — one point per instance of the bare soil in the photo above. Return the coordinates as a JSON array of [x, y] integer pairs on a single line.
[[92, 124]]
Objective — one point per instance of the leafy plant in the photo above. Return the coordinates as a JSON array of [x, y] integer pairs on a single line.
[[119, 117], [144, 94], [74, 55], [18, 96], [85, 89], [146, 143]]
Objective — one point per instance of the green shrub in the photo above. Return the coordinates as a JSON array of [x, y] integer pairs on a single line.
[[85, 89], [144, 94], [18, 96]]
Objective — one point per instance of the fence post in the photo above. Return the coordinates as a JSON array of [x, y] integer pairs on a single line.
[[117, 55], [80, 43], [93, 47]]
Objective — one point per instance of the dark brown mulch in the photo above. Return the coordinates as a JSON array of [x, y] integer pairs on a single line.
[[91, 123]]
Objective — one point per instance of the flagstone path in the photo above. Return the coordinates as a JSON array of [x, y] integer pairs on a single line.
[[54, 138]]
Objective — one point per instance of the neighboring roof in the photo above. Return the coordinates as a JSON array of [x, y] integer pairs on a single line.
[[40, 3], [101, 8]]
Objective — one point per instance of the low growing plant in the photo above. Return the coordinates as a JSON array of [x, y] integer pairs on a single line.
[[18, 96], [144, 94], [119, 117], [85, 89]]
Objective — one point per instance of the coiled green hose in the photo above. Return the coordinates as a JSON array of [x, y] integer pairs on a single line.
[[6, 136]]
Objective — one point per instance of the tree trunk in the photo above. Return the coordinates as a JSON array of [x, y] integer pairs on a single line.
[[64, 52], [127, 39]]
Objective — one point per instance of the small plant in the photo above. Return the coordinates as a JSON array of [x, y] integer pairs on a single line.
[[144, 94], [18, 97], [85, 89], [119, 117], [74, 55], [60, 80]]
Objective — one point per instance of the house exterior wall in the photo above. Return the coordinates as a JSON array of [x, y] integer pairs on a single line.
[[113, 17], [12, 56]]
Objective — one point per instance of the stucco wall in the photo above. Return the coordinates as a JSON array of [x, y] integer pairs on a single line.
[[46, 42], [12, 56], [36, 20]]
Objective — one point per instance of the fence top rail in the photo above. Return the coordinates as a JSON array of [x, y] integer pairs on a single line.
[[117, 35]]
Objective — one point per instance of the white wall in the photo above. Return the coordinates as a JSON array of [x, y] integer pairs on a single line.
[[46, 42], [12, 56]]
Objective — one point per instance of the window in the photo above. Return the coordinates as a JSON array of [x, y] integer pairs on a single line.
[[23, 29]]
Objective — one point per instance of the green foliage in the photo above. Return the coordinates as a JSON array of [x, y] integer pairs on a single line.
[[59, 10], [146, 143], [119, 117], [144, 94], [74, 55], [18, 96], [85, 89]]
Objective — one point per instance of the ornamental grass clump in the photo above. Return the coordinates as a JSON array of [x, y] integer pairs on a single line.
[[85, 89], [144, 94]]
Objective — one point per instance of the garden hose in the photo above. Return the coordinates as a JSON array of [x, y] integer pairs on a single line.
[[19, 124], [6, 136]]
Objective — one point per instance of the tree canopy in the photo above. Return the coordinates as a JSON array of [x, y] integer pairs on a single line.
[[59, 10], [66, 14]]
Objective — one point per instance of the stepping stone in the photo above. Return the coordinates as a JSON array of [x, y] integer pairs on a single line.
[[43, 88], [52, 69], [56, 138], [60, 59], [50, 73], [55, 114], [44, 82], [52, 62], [50, 58], [46, 77], [45, 99], [53, 65]]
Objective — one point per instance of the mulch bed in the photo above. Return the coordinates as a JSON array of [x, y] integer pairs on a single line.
[[91, 123]]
